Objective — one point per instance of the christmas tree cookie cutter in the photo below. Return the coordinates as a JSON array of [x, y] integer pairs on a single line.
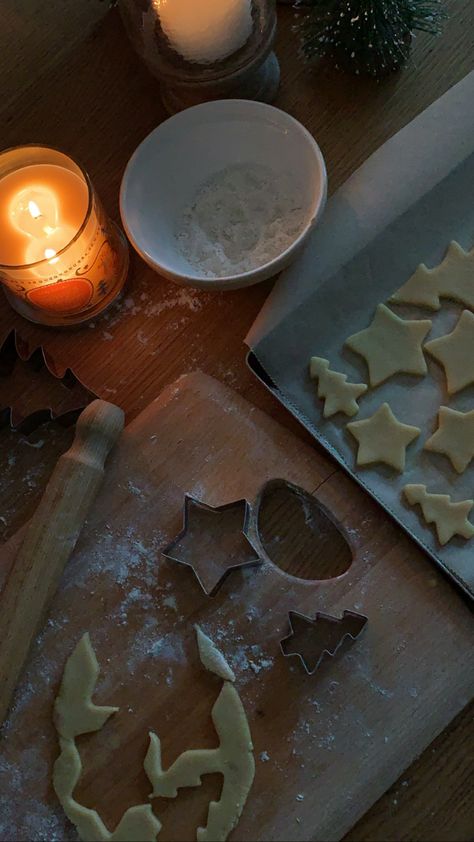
[[13, 350], [311, 640], [213, 542]]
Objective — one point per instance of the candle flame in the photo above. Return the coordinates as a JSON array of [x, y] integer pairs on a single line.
[[34, 209], [49, 254]]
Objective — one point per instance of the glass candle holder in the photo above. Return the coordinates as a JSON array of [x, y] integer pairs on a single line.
[[206, 49], [62, 260]]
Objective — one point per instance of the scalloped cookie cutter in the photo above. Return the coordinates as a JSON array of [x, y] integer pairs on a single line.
[[14, 349]]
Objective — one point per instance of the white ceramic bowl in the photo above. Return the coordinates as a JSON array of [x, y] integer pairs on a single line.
[[167, 169]]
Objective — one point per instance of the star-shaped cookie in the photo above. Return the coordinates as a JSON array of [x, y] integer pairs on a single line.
[[383, 438], [453, 278], [454, 437], [455, 351], [213, 542], [449, 518], [339, 395], [391, 345]]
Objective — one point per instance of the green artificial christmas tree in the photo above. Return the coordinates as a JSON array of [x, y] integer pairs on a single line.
[[366, 36]]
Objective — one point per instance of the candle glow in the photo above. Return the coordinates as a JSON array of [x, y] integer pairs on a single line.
[[61, 260]]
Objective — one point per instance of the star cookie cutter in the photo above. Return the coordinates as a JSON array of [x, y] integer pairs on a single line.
[[14, 349], [311, 640], [213, 542]]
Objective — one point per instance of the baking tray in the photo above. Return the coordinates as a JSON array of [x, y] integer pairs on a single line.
[[344, 304]]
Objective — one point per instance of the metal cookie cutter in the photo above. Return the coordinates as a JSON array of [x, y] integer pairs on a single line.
[[213, 541], [311, 640], [78, 396]]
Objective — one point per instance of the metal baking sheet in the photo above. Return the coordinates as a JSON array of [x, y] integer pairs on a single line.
[[344, 304]]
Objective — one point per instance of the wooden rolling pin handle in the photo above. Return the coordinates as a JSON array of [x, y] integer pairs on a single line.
[[50, 538]]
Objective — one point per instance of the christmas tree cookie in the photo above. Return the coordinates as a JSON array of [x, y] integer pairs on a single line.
[[453, 278], [338, 394], [383, 438], [448, 518], [391, 345]]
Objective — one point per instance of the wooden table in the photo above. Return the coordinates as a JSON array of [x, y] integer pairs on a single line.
[[70, 79]]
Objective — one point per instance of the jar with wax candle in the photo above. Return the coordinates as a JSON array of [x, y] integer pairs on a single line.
[[206, 49], [62, 260]]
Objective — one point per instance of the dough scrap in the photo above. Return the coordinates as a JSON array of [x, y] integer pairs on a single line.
[[74, 711], [454, 437], [233, 759], [455, 351], [76, 714], [391, 345], [453, 278], [449, 518], [339, 395], [383, 438], [211, 658]]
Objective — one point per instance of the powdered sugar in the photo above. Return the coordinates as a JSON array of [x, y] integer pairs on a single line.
[[241, 218]]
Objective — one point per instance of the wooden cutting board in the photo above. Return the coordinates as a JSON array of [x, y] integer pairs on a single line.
[[328, 745]]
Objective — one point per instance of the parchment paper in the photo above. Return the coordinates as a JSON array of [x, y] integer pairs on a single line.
[[344, 304], [399, 173]]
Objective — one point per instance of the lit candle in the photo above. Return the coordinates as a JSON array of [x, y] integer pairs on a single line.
[[205, 31], [61, 259]]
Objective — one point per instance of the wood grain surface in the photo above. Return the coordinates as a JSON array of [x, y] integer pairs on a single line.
[[338, 738], [70, 79]]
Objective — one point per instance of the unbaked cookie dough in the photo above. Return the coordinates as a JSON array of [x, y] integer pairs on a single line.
[[453, 278], [455, 351], [383, 438], [233, 759], [454, 437], [75, 714], [211, 658], [449, 518], [391, 345], [338, 394]]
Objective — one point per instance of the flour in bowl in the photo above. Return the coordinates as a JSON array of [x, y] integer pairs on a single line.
[[241, 218]]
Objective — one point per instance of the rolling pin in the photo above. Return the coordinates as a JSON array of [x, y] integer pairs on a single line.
[[50, 538]]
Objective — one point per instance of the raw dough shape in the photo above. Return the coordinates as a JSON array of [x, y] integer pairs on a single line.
[[74, 711], [455, 351], [233, 759], [454, 437], [211, 658], [339, 395], [449, 518], [383, 438], [391, 345], [75, 714], [453, 278], [138, 824]]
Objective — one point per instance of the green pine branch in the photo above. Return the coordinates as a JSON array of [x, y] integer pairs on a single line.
[[371, 36]]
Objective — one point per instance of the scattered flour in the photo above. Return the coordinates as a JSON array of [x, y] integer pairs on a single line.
[[120, 555], [39, 822], [148, 643], [241, 218], [170, 602]]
